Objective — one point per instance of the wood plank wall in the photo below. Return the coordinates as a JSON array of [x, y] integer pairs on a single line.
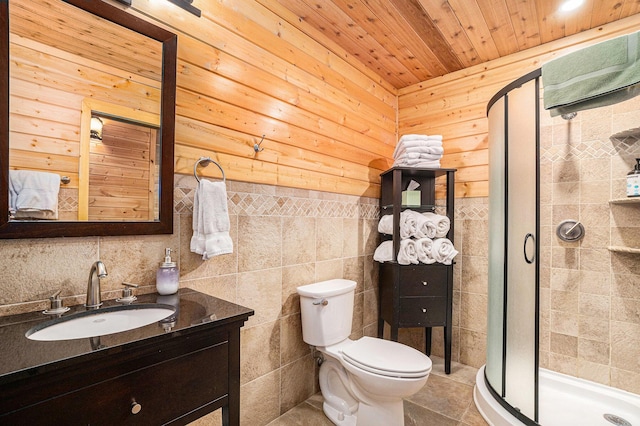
[[251, 68], [455, 104]]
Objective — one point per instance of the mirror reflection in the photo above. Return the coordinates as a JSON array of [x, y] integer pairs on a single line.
[[87, 114]]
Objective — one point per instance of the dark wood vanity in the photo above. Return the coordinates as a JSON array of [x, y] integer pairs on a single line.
[[170, 372]]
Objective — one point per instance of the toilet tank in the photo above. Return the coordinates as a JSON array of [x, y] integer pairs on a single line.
[[327, 311]]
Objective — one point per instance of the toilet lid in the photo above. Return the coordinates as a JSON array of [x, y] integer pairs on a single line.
[[387, 358]]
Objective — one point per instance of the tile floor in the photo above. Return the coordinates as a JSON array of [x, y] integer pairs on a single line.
[[446, 400]]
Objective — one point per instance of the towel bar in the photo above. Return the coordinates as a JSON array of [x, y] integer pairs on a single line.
[[206, 161]]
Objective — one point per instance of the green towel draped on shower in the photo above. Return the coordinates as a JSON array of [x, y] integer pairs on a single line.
[[598, 75]]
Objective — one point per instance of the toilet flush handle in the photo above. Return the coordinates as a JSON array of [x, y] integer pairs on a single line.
[[323, 302]]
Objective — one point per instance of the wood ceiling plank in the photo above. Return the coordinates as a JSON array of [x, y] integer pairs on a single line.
[[448, 25], [417, 19], [419, 48], [496, 15], [339, 26], [579, 20], [382, 26], [630, 7], [550, 24], [604, 12], [471, 19], [525, 23]]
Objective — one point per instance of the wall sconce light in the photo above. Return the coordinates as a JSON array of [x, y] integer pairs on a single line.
[[186, 5], [96, 128]]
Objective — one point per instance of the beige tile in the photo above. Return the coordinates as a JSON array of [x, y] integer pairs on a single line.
[[371, 273], [297, 382], [329, 269], [259, 350], [564, 323], [298, 240], [626, 237], [564, 345], [353, 269], [259, 243], [594, 328], [595, 260], [416, 415], [625, 380], [370, 308], [474, 274], [564, 301], [566, 171], [563, 364], [595, 305], [444, 396], [626, 285], [292, 346], [329, 238], [223, 287], [593, 372], [303, 415], [293, 277], [358, 314], [595, 282], [567, 258], [351, 239], [473, 312], [473, 348], [260, 400], [370, 237], [262, 292], [593, 351]]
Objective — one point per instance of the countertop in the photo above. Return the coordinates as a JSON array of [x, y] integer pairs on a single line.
[[21, 357]]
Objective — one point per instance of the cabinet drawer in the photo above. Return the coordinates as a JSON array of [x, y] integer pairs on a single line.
[[422, 311], [164, 392], [424, 281]]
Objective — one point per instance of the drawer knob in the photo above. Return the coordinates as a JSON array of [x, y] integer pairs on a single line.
[[135, 407], [424, 283], [424, 310]]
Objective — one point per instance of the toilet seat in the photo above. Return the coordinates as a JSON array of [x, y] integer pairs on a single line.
[[386, 358]]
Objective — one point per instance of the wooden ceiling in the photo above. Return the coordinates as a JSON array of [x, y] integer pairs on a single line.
[[410, 41]]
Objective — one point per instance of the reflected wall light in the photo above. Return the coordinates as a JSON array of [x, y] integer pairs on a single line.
[[184, 4]]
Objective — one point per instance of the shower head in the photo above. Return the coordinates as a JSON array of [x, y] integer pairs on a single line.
[[569, 115]]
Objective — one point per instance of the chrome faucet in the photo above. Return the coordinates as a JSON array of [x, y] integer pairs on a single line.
[[98, 270]]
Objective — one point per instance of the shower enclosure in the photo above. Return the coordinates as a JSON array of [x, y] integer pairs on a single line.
[[512, 332], [512, 389]]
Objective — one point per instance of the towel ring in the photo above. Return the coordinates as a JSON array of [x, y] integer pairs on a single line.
[[206, 161]]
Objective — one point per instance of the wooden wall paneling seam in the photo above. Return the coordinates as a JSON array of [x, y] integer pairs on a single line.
[[498, 19], [308, 57], [467, 10], [266, 90], [526, 28]]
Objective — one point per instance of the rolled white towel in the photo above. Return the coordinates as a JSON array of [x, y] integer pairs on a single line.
[[442, 223], [385, 226], [425, 228], [408, 224], [408, 253], [443, 250], [425, 250], [384, 252]]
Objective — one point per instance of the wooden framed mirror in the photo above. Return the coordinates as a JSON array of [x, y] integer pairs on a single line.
[[69, 64]]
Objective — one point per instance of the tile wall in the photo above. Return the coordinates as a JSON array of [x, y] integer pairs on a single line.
[[590, 298]]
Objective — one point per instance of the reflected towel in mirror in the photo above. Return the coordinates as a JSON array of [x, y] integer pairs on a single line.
[[33, 195]]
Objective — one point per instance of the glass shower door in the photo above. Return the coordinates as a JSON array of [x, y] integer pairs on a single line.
[[512, 345]]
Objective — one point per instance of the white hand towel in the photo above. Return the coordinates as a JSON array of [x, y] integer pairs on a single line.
[[425, 250], [408, 224], [211, 220], [442, 223], [33, 195], [384, 252], [443, 251], [408, 253], [385, 226], [415, 151], [416, 140]]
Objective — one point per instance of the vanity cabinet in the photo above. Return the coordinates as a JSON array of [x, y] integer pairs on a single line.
[[416, 295], [172, 378]]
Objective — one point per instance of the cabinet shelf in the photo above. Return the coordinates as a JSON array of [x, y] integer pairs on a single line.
[[417, 295]]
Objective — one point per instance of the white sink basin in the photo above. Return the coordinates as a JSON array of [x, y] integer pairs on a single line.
[[100, 322]]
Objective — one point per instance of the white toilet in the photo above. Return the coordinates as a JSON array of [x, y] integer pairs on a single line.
[[364, 381]]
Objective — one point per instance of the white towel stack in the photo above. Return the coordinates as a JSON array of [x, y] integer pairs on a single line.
[[422, 151], [416, 225], [33, 195], [211, 220]]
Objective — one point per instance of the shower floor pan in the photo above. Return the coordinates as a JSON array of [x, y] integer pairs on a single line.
[[566, 401]]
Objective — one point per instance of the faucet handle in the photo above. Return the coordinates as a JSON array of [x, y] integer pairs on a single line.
[[56, 307], [127, 293]]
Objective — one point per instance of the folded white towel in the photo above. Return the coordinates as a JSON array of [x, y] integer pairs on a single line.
[[422, 164], [425, 250], [417, 140], [211, 220], [443, 251], [421, 159], [418, 137], [408, 253], [33, 195], [441, 223], [384, 252], [419, 152]]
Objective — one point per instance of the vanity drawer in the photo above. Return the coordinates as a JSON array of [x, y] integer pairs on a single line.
[[429, 280], [163, 391], [422, 311]]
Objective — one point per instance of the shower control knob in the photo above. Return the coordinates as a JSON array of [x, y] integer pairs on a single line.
[[135, 408]]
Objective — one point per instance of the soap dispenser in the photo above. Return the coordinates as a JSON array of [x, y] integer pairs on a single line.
[[167, 278], [633, 181]]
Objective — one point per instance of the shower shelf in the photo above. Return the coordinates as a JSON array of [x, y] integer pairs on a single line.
[[622, 249], [635, 132], [628, 200]]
